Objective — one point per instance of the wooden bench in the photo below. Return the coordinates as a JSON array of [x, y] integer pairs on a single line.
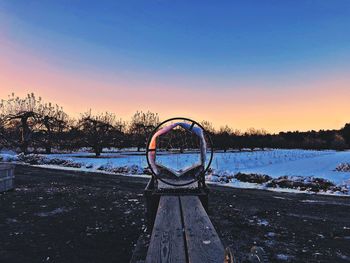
[[183, 232], [6, 177]]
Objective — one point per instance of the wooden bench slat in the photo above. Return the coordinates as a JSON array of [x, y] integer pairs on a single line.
[[6, 177], [162, 185], [203, 243], [167, 240]]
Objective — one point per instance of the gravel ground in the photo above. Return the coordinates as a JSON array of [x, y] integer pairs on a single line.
[[65, 216]]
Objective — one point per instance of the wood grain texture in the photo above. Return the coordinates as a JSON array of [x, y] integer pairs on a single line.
[[167, 240], [162, 185], [203, 243]]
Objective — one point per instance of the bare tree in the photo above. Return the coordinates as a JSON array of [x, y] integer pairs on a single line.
[[224, 138], [3, 140], [120, 139], [253, 131], [97, 130], [256, 138], [141, 126], [345, 131], [208, 127], [338, 142], [22, 115], [53, 122]]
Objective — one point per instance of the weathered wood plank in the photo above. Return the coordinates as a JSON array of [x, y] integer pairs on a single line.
[[162, 185], [203, 243], [167, 240], [6, 166], [6, 177]]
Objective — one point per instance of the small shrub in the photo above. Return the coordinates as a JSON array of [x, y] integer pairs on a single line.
[[303, 183], [253, 178]]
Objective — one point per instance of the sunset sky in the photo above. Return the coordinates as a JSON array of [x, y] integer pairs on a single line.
[[277, 65]]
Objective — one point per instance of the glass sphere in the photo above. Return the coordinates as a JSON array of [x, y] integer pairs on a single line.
[[179, 152]]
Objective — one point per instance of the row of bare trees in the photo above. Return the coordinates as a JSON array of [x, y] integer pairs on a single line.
[[226, 139], [29, 125], [23, 120]]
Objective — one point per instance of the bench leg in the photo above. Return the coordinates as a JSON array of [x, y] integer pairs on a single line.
[[152, 202]]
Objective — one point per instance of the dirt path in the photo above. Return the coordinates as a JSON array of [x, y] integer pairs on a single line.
[[64, 216]]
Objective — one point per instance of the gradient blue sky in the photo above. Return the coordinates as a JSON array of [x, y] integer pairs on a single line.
[[238, 58]]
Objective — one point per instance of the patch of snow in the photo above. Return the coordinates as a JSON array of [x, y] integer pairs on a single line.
[[312, 201], [279, 197], [56, 211], [283, 257], [271, 234], [262, 222]]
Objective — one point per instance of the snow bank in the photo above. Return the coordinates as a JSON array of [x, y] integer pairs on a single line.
[[47, 161], [278, 169], [343, 167], [262, 181]]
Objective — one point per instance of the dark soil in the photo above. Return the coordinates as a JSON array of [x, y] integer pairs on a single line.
[[64, 216], [290, 227]]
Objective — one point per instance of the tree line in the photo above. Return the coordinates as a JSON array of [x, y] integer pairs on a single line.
[[31, 125]]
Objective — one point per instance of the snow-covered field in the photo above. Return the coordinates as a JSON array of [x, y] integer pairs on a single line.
[[274, 163]]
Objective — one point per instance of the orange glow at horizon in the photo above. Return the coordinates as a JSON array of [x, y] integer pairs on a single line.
[[318, 104]]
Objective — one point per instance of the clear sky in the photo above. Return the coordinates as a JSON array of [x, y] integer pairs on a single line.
[[278, 65]]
